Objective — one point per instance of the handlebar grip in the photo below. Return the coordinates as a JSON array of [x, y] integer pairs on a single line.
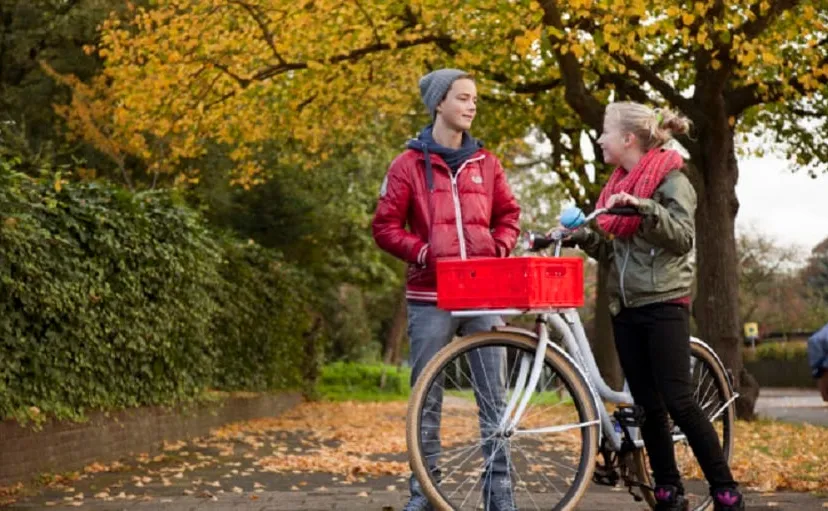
[[624, 211], [536, 241]]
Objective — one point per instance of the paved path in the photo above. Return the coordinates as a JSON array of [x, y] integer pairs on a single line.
[[212, 480], [793, 405], [368, 498]]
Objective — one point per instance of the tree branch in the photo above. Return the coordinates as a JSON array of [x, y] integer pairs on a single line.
[[584, 103], [524, 88], [354, 55], [753, 28], [664, 60], [259, 19], [741, 98], [243, 82], [589, 109], [806, 113], [623, 85], [370, 21], [667, 91], [269, 72]]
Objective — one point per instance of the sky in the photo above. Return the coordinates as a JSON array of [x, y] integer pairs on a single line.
[[791, 207]]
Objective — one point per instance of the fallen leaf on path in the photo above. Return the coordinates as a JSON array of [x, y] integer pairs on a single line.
[[175, 446]]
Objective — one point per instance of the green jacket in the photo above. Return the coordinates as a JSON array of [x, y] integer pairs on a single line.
[[656, 264]]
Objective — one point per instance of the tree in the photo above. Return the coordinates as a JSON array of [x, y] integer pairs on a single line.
[[816, 271], [776, 287], [192, 72], [52, 32], [710, 61], [763, 262]]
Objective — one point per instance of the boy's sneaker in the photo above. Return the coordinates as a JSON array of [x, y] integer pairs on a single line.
[[728, 499], [418, 503], [668, 498]]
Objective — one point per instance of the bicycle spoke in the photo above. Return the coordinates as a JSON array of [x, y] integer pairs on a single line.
[[530, 459], [463, 409]]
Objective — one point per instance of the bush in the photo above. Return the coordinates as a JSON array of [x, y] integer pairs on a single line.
[[792, 350], [110, 299], [105, 298], [263, 320]]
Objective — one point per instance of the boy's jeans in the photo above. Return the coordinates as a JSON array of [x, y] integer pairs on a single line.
[[429, 329]]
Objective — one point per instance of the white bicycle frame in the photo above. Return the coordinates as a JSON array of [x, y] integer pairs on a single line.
[[567, 322]]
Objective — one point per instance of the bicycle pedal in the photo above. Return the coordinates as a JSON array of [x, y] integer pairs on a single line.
[[605, 476], [629, 415]]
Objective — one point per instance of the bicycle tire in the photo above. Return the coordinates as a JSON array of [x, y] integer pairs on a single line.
[[576, 385]]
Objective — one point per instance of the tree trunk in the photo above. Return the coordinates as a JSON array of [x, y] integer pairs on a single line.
[[313, 358], [716, 307], [393, 341], [602, 341]]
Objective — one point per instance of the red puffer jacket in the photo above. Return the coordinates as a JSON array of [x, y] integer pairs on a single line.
[[470, 214]]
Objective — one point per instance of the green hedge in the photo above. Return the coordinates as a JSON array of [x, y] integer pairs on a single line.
[[263, 319], [790, 350], [110, 299]]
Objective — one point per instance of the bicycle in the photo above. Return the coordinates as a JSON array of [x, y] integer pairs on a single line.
[[551, 417]]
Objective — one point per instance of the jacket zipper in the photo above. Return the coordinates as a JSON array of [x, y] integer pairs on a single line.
[[458, 214], [623, 271]]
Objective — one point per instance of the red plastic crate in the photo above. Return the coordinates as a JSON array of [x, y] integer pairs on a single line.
[[514, 282]]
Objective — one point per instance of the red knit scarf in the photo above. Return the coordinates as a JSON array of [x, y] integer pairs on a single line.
[[642, 182]]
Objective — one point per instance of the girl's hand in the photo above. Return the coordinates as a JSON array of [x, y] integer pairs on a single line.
[[623, 199]]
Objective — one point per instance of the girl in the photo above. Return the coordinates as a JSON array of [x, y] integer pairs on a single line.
[[649, 286]]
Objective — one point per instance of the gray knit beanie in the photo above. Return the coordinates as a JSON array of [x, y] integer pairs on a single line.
[[435, 85]]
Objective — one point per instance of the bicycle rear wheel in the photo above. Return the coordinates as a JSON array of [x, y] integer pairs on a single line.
[[461, 457], [711, 390]]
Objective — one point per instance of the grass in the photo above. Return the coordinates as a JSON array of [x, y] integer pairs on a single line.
[[347, 381], [543, 398]]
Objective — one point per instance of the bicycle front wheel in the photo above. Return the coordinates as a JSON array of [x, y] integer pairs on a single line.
[[712, 392], [460, 451]]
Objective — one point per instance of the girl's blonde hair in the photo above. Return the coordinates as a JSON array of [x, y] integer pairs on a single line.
[[652, 127]]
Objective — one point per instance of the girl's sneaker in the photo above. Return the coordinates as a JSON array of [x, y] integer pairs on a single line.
[[668, 498], [728, 499]]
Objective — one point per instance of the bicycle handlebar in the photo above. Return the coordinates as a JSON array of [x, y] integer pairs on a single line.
[[536, 241]]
